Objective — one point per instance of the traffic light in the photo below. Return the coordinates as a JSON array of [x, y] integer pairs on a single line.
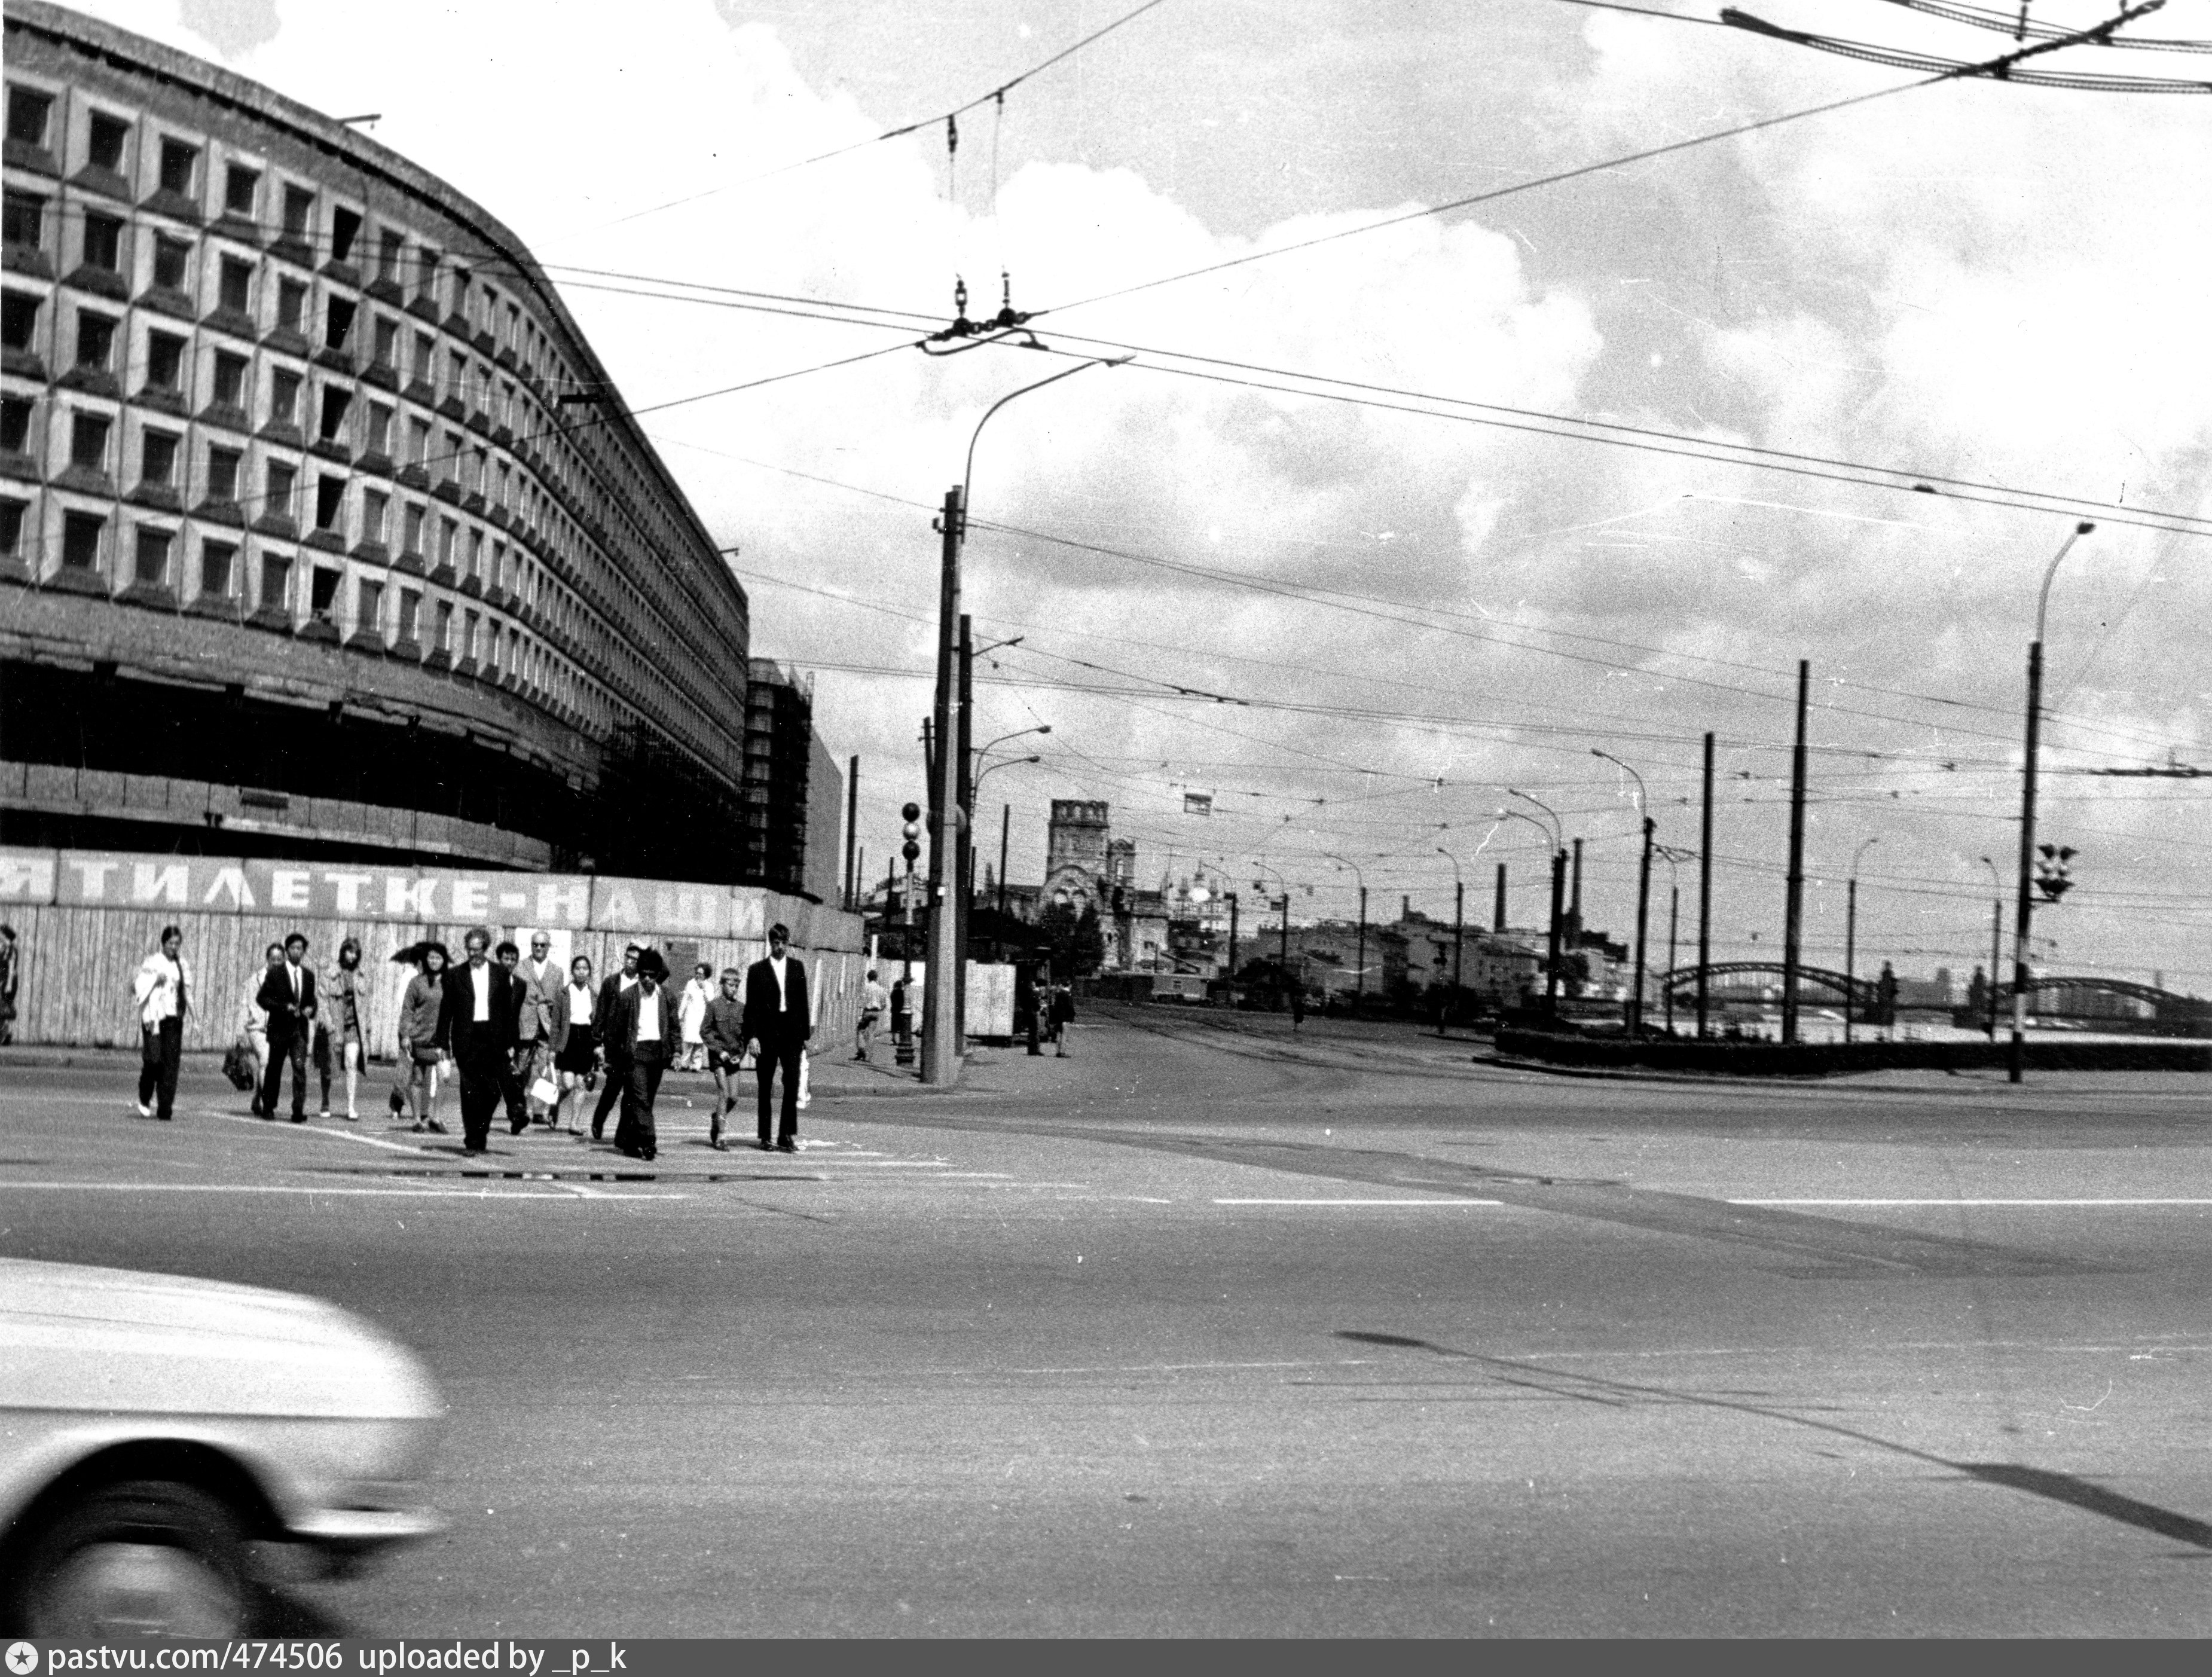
[[2052, 876], [911, 832]]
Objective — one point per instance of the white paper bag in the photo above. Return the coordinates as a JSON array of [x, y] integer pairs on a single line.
[[545, 1092], [805, 1087]]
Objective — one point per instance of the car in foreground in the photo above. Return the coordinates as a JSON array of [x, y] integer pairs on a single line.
[[155, 1431]]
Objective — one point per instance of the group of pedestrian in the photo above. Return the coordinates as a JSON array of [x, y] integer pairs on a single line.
[[521, 1033]]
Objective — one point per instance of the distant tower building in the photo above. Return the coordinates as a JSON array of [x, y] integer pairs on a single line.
[[1121, 866], [1076, 850]]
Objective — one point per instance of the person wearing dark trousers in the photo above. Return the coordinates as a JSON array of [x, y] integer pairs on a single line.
[[778, 1022], [618, 985], [160, 991], [523, 1034], [288, 993], [476, 1020], [645, 1024]]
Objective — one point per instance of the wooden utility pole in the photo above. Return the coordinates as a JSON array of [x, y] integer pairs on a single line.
[[1705, 892], [941, 1043], [1793, 916]]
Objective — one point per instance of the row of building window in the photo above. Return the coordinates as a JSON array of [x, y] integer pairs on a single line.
[[106, 141]]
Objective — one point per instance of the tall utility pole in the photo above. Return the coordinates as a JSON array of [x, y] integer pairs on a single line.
[[1232, 940], [1996, 948], [1497, 909], [2017, 1069], [1359, 961], [852, 833], [1642, 910], [1705, 892], [1793, 912], [965, 850], [940, 1046], [1575, 903], [1552, 964], [1459, 935], [1005, 826], [1851, 936]]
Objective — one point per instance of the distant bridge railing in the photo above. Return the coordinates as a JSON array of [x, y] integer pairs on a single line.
[[1863, 992]]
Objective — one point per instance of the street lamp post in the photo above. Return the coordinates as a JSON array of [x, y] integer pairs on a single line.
[[2017, 1069], [1635, 1010], [1996, 948], [940, 1057], [1558, 887], [1851, 933], [1459, 931], [1359, 960], [1671, 857], [1282, 960]]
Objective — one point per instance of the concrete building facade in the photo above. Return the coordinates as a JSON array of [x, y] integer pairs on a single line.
[[322, 530]]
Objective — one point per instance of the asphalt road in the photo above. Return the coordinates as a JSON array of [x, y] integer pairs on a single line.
[[1205, 1331]]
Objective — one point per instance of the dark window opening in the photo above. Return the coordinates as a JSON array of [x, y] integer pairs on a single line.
[[337, 322], [387, 345], [109, 137], [283, 396], [426, 271], [89, 441], [345, 227], [229, 380], [330, 501], [291, 304], [278, 501], [372, 506], [11, 528], [28, 111], [234, 290], [15, 425], [414, 539], [410, 608], [389, 243], [95, 341], [323, 592], [18, 319], [368, 607], [299, 209], [335, 404], [379, 430], [153, 560], [165, 361], [216, 559], [103, 243], [276, 582], [26, 221], [80, 540], [223, 465], [157, 457], [239, 184], [177, 160], [172, 262]]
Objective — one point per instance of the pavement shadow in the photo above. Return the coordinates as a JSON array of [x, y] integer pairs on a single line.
[[2036, 1481]]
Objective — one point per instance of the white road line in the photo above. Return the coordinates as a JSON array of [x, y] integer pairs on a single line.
[[1972, 1202], [279, 1124], [1359, 1202], [316, 1193]]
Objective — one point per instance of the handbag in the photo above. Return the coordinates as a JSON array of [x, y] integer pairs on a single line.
[[806, 1085], [545, 1092], [238, 1064]]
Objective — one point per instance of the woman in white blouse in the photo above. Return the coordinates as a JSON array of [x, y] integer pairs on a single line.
[[574, 1036]]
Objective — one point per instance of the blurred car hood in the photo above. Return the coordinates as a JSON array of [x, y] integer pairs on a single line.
[[76, 1337]]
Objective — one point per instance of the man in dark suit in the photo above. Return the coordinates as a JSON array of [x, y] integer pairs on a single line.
[[778, 1022], [614, 1044], [477, 1019], [643, 1025], [287, 995]]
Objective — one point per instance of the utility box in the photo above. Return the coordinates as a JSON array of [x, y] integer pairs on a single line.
[[990, 1001]]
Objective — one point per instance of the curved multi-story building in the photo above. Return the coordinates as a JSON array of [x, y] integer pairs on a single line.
[[322, 530]]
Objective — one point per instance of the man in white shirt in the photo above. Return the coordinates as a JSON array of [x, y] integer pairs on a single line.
[[477, 1021], [645, 1023], [779, 1018], [619, 985], [161, 990], [288, 996], [874, 1000]]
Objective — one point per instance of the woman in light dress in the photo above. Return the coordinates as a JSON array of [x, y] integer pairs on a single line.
[[253, 1023], [575, 1035], [691, 1015]]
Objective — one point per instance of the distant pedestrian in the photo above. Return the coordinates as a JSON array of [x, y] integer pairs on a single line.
[[288, 994], [613, 1045], [1063, 1015], [902, 1011], [875, 1002], [253, 1021], [778, 1022], [723, 1035], [161, 990], [691, 1014], [519, 1057], [9, 957], [421, 1043], [542, 981], [1297, 1005], [575, 1037], [345, 994], [644, 1021], [476, 1021]]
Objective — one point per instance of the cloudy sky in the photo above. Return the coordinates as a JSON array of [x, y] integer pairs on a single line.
[[1533, 530]]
